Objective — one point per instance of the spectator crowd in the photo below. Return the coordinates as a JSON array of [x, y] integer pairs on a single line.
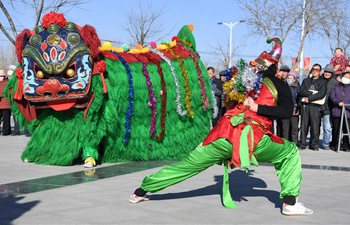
[[318, 99]]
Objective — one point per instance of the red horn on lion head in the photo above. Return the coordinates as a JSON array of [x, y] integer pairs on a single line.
[[21, 41]]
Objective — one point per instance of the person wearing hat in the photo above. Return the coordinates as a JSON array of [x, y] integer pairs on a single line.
[[312, 94], [216, 86], [224, 107], [5, 105], [243, 136], [282, 125], [328, 75], [284, 70], [288, 128]]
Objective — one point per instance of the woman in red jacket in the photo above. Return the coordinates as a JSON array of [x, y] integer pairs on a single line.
[[5, 105]]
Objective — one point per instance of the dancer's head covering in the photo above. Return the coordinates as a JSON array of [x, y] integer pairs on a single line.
[[266, 59]]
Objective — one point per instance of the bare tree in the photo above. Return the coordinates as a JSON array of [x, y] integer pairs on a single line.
[[271, 18], [144, 23], [39, 7], [315, 11], [334, 26], [222, 54]]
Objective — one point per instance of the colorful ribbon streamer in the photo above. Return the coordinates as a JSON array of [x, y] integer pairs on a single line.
[[184, 74], [129, 111], [176, 81], [152, 99]]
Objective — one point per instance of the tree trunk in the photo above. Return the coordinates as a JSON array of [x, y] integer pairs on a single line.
[[38, 13]]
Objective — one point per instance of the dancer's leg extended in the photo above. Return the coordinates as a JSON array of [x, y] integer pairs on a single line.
[[198, 160], [285, 158]]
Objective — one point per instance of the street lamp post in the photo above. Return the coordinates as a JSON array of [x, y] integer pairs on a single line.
[[230, 25], [301, 62]]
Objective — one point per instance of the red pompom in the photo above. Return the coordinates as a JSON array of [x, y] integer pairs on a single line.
[[21, 41], [175, 38], [19, 92], [91, 40], [53, 17], [101, 66], [153, 44], [19, 73]]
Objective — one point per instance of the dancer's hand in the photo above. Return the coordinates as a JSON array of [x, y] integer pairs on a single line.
[[252, 105], [246, 104]]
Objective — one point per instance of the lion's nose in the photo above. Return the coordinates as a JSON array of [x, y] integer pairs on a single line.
[[53, 88]]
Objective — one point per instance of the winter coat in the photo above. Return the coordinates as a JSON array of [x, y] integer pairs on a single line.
[[339, 60], [308, 84], [328, 105], [216, 86], [4, 103], [294, 89], [341, 93]]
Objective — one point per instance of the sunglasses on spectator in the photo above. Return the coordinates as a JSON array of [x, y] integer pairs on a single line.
[[316, 69]]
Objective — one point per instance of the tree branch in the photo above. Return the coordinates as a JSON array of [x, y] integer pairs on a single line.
[[39, 12], [7, 34], [144, 24], [9, 19]]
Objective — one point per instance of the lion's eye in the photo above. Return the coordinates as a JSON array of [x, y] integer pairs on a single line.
[[40, 74], [70, 73]]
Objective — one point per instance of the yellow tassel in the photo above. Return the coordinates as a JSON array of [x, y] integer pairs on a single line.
[[162, 47], [145, 50], [107, 46], [135, 51], [117, 50]]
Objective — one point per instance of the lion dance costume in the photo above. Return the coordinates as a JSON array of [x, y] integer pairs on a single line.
[[84, 101], [242, 136]]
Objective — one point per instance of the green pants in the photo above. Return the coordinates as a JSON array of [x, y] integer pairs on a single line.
[[285, 158]]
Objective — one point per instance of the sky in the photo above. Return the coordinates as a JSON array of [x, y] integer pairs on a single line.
[[110, 16]]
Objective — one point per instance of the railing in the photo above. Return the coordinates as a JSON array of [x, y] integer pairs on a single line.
[[341, 133]]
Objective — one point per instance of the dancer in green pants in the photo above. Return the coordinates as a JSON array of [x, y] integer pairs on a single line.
[[242, 138], [288, 171]]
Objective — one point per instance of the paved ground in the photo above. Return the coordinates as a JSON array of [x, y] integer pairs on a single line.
[[34, 194]]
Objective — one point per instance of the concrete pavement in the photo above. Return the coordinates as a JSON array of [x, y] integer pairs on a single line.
[[70, 195]]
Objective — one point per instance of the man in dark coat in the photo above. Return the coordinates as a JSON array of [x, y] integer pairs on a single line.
[[312, 93]]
